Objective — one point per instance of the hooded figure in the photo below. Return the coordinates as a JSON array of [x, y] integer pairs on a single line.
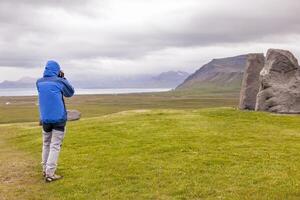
[[51, 89]]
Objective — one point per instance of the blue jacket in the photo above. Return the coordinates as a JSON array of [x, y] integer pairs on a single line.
[[51, 90]]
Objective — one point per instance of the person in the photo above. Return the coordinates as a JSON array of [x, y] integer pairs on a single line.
[[52, 89]]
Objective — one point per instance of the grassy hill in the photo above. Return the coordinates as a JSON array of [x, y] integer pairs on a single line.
[[216, 153]]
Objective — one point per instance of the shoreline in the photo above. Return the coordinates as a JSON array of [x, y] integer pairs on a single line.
[[28, 92]]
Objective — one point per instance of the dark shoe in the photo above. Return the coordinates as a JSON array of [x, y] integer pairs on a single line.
[[44, 174], [55, 177]]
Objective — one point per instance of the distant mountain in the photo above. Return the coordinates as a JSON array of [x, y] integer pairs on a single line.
[[25, 82], [172, 76], [223, 73], [168, 79]]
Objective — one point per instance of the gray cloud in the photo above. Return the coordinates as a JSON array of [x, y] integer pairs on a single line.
[[101, 33]]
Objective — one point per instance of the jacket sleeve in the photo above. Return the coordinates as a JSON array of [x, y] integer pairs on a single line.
[[37, 85], [67, 88]]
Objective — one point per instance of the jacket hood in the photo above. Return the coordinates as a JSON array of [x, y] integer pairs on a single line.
[[52, 69]]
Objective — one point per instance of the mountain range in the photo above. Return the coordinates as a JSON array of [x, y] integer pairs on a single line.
[[168, 79], [222, 73], [25, 82]]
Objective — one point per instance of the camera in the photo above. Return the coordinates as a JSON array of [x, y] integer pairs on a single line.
[[61, 74]]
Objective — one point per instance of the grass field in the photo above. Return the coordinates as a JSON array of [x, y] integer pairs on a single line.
[[155, 153], [25, 109]]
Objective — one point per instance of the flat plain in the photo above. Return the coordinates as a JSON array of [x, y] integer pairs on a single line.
[[154, 146]]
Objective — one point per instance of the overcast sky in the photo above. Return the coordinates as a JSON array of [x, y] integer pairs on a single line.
[[139, 36]]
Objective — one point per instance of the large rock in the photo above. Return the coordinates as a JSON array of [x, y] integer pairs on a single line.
[[279, 83], [250, 84], [73, 115]]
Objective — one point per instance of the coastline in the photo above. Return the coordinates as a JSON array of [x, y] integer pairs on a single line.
[[15, 92]]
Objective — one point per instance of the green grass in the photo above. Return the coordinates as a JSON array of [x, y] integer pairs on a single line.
[[216, 153], [25, 109]]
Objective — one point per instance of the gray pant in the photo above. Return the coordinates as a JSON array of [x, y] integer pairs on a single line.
[[52, 142]]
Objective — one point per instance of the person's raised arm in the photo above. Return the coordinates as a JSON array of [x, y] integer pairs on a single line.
[[67, 88]]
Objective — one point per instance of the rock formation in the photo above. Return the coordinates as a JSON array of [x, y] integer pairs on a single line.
[[279, 83], [73, 115], [250, 84]]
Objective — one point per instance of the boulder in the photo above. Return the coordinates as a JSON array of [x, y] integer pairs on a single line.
[[250, 84], [73, 115], [279, 83]]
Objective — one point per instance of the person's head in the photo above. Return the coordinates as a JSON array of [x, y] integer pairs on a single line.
[[52, 68]]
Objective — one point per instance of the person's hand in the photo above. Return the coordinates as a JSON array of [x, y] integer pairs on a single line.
[[61, 74]]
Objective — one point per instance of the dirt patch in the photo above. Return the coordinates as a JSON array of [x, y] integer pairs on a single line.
[[19, 175]]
